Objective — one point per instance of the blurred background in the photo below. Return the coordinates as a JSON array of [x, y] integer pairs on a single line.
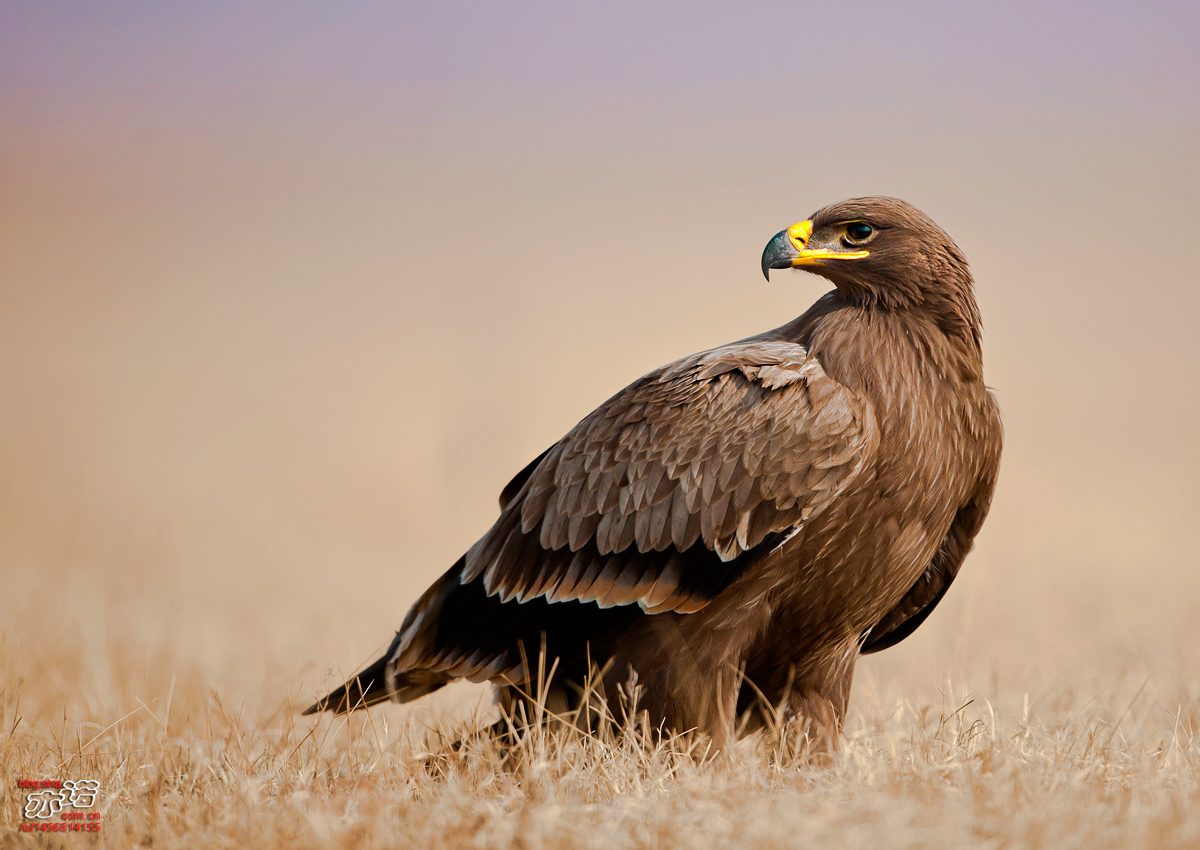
[[289, 291]]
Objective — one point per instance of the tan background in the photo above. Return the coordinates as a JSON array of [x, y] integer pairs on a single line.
[[287, 295]]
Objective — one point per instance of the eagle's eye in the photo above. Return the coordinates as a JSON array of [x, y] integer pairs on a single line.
[[858, 232]]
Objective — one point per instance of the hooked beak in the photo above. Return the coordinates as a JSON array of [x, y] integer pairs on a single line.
[[789, 249]]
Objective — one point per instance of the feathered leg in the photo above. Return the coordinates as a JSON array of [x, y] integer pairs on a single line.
[[814, 705]]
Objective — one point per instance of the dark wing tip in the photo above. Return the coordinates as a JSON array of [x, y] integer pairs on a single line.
[[319, 705], [338, 700], [365, 689]]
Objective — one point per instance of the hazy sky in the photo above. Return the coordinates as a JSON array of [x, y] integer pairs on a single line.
[[384, 54], [291, 289]]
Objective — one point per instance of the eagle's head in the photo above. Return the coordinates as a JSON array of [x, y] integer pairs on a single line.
[[883, 251]]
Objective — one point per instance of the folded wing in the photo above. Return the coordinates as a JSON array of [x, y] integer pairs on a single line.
[[660, 498]]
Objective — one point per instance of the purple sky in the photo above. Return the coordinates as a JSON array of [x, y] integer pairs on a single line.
[[565, 56]]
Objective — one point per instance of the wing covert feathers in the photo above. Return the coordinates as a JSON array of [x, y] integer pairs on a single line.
[[663, 491]]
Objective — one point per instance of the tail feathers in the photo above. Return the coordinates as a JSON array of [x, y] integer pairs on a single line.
[[367, 688], [370, 688]]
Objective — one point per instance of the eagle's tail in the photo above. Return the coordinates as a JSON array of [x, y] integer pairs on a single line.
[[367, 688], [370, 687]]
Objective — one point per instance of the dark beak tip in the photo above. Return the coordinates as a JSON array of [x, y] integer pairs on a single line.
[[778, 254]]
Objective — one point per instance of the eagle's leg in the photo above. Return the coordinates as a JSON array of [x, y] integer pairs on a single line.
[[812, 725], [815, 705], [708, 706], [721, 724], [686, 676], [522, 707]]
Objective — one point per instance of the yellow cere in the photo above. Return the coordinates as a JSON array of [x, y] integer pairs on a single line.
[[799, 234]]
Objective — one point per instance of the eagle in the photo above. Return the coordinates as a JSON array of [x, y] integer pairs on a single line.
[[728, 534]]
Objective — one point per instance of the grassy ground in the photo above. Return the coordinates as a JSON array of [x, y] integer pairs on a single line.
[[196, 741]]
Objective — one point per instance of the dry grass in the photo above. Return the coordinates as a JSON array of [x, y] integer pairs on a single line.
[[1097, 760]]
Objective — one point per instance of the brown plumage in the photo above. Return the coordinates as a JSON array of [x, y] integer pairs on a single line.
[[738, 526]]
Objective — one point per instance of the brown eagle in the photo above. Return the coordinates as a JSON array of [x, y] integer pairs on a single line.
[[735, 528]]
